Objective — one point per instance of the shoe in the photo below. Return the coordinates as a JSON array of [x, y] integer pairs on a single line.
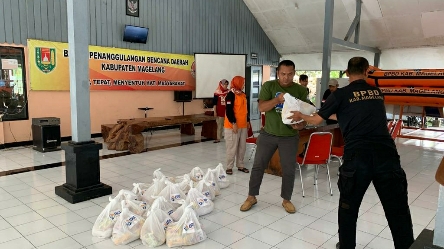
[[245, 170], [248, 204], [338, 246], [289, 207]]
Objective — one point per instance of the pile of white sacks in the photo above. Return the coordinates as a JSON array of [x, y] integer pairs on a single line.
[[166, 210]]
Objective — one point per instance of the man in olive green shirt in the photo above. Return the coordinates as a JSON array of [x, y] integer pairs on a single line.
[[277, 135]]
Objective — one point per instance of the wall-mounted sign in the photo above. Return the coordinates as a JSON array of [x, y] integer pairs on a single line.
[[110, 68], [253, 55], [132, 7]]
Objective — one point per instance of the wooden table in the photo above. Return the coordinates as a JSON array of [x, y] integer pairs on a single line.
[[127, 133], [274, 166]]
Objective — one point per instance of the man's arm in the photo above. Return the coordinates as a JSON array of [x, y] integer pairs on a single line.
[[314, 119], [266, 105]]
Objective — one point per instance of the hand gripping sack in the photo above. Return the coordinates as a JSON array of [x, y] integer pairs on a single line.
[[196, 174], [127, 227], [153, 230], [103, 227], [187, 231], [205, 188], [211, 178], [293, 104], [161, 203], [222, 177], [201, 203], [154, 190], [173, 194]]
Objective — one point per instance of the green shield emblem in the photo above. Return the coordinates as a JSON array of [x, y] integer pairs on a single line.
[[45, 59]]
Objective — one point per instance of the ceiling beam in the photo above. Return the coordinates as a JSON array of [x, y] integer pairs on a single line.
[[355, 26], [353, 45]]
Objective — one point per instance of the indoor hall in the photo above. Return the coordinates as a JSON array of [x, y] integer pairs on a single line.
[[34, 217], [154, 66]]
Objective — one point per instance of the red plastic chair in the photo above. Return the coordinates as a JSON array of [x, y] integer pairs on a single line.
[[338, 153], [318, 153], [396, 129], [390, 126], [251, 139]]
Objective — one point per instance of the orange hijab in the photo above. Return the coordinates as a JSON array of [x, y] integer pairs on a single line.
[[220, 90], [237, 84]]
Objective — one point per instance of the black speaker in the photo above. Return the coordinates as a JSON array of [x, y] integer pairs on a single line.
[[46, 137], [183, 96]]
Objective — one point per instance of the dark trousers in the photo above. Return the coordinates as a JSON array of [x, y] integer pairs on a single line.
[[266, 145], [382, 166]]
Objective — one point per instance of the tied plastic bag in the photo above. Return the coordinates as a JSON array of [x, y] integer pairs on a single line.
[[205, 188], [172, 193], [153, 230], [128, 195], [137, 207], [140, 188], [161, 203], [187, 231], [221, 176], [211, 178], [154, 190], [157, 174], [176, 215], [196, 174], [293, 104], [201, 203], [103, 227], [127, 227], [184, 185]]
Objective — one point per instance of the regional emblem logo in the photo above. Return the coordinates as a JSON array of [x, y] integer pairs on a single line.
[[45, 59]]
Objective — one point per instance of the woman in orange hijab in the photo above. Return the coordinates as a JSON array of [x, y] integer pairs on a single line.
[[236, 125], [219, 106]]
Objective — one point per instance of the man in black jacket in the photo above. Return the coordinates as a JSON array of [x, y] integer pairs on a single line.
[[370, 155]]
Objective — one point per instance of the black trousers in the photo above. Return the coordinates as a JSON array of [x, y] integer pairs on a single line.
[[380, 165]]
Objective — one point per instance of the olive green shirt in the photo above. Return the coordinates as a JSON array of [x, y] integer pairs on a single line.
[[273, 119]]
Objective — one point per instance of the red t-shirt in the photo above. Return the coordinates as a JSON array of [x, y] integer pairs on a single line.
[[220, 106]]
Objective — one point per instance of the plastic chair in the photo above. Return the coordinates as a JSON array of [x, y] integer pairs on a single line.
[[390, 126], [318, 152], [251, 139], [396, 128], [338, 153]]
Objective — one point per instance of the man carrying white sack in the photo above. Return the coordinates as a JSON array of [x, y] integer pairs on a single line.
[[277, 135]]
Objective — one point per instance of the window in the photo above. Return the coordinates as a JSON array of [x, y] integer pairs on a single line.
[[13, 94]]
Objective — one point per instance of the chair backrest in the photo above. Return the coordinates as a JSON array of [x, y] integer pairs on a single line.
[[396, 128], [250, 132], [390, 126], [318, 148]]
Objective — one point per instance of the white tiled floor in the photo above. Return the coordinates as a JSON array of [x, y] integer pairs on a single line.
[[32, 216]]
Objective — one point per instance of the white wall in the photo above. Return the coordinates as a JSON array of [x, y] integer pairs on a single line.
[[402, 58]]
